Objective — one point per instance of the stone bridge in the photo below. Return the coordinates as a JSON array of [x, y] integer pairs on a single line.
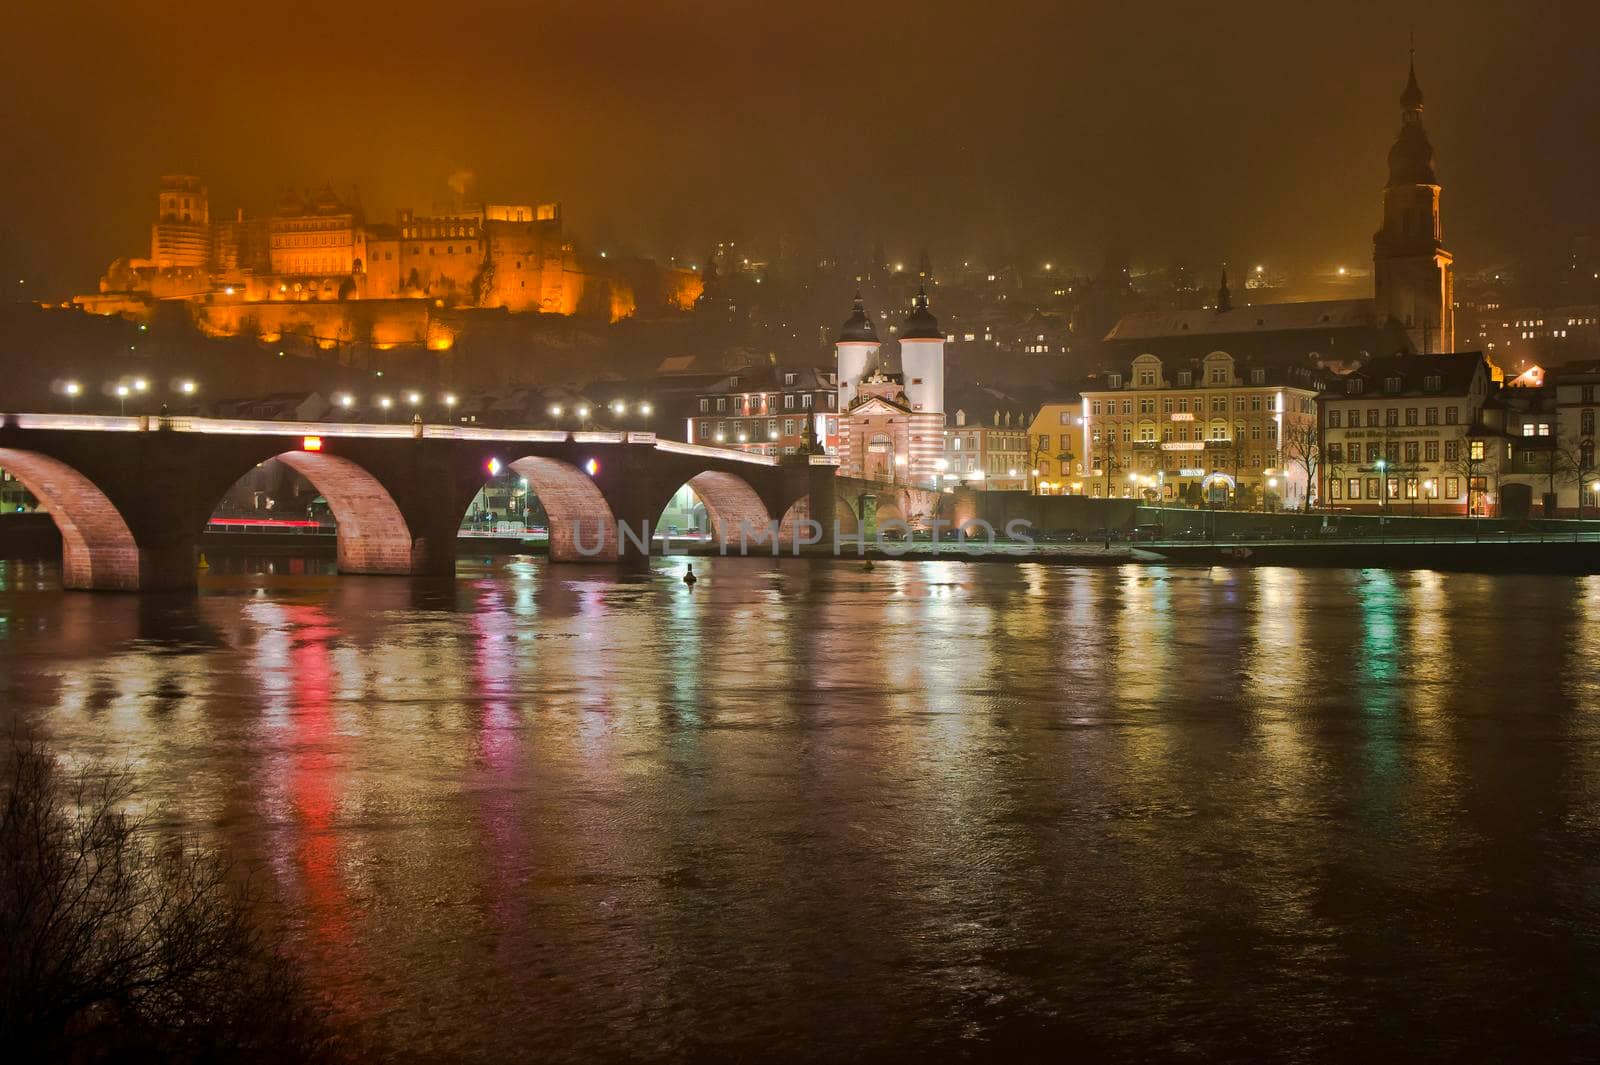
[[131, 495]]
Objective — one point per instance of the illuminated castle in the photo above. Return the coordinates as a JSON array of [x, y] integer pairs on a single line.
[[319, 248]]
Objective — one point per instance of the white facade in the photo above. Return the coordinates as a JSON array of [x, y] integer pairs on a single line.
[[922, 365]]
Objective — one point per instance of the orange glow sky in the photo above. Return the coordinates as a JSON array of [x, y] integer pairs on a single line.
[[1244, 131]]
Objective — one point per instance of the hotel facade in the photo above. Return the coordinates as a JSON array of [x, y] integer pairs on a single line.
[[1201, 431]]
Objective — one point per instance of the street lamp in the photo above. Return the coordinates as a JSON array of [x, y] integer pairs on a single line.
[[414, 398], [450, 400], [122, 398], [385, 403], [346, 400], [187, 386], [73, 389], [583, 411], [1383, 484], [555, 410], [645, 409]]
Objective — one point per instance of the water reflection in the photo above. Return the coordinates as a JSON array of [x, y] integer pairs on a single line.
[[567, 814]]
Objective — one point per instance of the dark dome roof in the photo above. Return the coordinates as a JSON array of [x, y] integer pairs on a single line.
[[858, 327], [920, 323], [1411, 158]]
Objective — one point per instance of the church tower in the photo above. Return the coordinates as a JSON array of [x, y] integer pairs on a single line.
[[1412, 275], [857, 352]]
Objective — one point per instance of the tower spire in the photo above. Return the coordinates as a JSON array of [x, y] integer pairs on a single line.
[[1411, 98], [1224, 296]]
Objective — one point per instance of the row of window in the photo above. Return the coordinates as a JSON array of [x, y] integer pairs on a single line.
[[1172, 461], [1008, 442], [732, 428], [1412, 451], [436, 232], [1181, 405], [1183, 433], [1414, 487], [1217, 375], [790, 402], [1391, 417]]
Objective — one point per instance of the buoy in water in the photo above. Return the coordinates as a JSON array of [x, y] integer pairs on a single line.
[[688, 577]]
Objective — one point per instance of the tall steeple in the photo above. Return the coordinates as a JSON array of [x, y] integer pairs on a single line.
[[1414, 284], [1224, 296]]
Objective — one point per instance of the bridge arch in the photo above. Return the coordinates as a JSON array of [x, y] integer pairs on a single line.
[[373, 536], [582, 525], [730, 502], [98, 550]]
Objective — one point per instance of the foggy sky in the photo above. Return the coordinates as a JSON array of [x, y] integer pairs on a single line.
[[1007, 131]]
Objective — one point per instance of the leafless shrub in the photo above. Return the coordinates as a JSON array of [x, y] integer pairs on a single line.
[[120, 946]]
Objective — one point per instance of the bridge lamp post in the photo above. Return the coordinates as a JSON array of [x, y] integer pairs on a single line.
[[188, 387], [582, 412], [384, 403], [72, 389], [555, 410], [414, 398], [122, 398], [450, 403], [1383, 484], [645, 409], [345, 400]]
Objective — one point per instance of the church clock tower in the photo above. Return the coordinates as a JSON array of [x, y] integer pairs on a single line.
[[1413, 281]]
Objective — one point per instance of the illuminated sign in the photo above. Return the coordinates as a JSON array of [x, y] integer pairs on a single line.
[[1182, 416], [311, 443], [1184, 445], [1187, 472]]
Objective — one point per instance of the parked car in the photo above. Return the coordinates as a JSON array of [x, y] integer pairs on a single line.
[[1059, 536], [1189, 534], [1147, 533]]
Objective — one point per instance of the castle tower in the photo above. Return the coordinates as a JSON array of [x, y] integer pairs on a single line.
[[922, 357], [181, 235], [857, 352], [1412, 274]]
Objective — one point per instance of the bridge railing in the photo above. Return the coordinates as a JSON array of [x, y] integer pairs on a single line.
[[679, 447], [383, 430]]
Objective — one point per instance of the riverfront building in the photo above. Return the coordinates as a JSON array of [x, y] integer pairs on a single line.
[[765, 410], [1422, 434], [992, 457], [1054, 449], [1201, 431]]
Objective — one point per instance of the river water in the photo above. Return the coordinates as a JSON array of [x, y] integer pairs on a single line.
[[937, 810]]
